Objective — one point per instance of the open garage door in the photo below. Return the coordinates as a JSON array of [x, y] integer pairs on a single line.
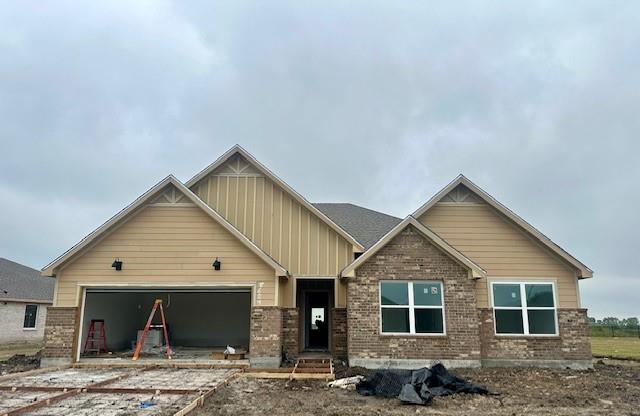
[[196, 318]]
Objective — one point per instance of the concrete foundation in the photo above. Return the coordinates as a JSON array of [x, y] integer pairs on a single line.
[[410, 364], [50, 362], [265, 362], [561, 364]]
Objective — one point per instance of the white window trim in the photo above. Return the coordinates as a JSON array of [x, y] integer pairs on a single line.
[[523, 307], [412, 319], [35, 321]]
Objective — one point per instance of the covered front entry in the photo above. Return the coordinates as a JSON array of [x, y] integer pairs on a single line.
[[315, 299], [199, 321]]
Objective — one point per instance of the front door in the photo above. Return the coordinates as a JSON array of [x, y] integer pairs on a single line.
[[317, 320]]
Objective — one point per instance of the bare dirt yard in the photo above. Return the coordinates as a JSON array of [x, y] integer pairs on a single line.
[[606, 390]]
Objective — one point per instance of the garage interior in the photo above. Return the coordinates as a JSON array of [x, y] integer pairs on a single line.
[[199, 321]]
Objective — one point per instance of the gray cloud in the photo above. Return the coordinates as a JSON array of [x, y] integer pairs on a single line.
[[379, 104]]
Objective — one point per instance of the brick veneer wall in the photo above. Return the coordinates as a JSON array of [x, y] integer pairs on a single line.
[[266, 332], [59, 333], [291, 332], [572, 343], [339, 333], [410, 256]]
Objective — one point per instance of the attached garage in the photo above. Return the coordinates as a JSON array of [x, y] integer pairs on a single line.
[[198, 319]]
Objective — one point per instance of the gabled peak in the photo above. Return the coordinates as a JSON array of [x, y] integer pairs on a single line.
[[462, 194], [169, 195], [236, 165]]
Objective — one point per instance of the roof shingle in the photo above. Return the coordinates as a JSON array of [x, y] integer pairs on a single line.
[[365, 225], [22, 282]]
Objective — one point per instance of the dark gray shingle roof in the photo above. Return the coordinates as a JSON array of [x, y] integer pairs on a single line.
[[22, 282], [365, 225]]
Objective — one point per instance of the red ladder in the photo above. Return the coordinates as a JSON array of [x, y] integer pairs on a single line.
[[96, 337], [157, 303]]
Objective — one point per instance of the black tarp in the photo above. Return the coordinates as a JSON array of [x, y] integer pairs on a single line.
[[418, 386]]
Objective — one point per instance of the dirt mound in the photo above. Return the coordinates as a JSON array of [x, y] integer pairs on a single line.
[[20, 362]]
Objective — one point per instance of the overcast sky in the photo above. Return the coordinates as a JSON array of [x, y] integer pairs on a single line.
[[379, 104]]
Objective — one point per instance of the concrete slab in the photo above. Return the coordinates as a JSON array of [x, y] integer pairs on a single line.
[[110, 391]]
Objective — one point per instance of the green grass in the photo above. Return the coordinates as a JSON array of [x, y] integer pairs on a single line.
[[614, 347]]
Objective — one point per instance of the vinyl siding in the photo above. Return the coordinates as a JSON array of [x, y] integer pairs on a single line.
[[167, 245], [290, 233], [501, 248]]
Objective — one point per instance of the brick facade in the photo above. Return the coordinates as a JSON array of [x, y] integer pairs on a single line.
[[571, 344], [291, 332], [265, 343], [59, 336], [410, 256], [339, 333]]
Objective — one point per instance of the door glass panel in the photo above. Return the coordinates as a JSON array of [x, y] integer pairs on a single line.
[[395, 320], [427, 294], [509, 321], [539, 295], [317, 317], [394, 293], [506, 295]]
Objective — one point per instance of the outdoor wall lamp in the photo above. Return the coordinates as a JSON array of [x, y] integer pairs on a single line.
[[216, 264], [117, 264]]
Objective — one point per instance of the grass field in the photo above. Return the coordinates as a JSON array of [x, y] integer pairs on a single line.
[[623, 347]]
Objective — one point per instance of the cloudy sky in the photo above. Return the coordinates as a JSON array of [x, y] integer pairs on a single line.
[[375, 103]]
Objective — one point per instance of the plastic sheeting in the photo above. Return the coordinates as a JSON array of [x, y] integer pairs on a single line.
[[418, 386]]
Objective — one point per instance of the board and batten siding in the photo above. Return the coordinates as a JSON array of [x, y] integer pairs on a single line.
[[498, 246], [167, 245], [286, 230]]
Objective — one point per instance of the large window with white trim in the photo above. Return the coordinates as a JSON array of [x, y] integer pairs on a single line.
[[525, 308], [411, 308]]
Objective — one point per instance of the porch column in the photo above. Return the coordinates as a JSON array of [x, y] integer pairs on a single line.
[[265, 344]]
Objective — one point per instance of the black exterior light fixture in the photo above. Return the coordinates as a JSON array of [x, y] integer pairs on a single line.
[[216, 264], [117, 264]]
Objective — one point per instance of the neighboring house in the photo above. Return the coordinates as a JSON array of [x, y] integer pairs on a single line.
[[240, 258], [24, 298]]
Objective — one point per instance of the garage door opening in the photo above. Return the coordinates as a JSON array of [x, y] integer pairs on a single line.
[[198, 321]]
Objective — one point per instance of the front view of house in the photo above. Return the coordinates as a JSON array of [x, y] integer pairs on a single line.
[[240, 258]]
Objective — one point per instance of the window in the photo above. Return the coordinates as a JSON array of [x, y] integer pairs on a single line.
[[30, 314], [524, 308], [411, 308]]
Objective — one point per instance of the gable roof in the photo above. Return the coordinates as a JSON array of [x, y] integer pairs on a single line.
[[50, 269], [366, 225], [584, 271], [476, 270], [21, 283], [237, 149]]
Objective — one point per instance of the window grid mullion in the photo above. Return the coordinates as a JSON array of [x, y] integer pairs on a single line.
[[523, 304], [412, 318]]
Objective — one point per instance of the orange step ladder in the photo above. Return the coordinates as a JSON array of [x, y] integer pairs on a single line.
[[140, 344], [96, 337]]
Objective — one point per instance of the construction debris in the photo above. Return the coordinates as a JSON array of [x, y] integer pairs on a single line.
[[348, 383], [419, 387]]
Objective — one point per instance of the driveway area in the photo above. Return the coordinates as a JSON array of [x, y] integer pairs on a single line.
[[108, 391]]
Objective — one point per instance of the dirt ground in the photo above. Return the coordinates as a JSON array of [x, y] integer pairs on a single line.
[[20, 362], [607, 390]]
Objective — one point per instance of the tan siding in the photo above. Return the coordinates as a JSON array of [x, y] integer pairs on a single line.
[[168, 245], [283, 228], [483, 235]]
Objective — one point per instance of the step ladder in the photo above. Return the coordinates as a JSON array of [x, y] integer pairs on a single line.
[[96, 337], [158, 302]]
